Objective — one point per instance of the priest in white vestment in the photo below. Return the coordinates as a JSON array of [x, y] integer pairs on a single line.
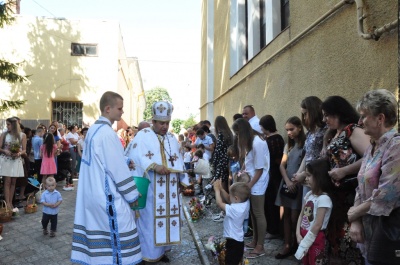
[[156, 151], [104, 228]]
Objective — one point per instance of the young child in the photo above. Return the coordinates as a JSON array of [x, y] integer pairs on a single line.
[[199, 179], [48, 151], [187, 157], [236, 205], [234, 165], [50, 199], [243, 177], [37, 142], [314, 217]]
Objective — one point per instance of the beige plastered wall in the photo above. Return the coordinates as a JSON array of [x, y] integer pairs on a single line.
[[43, 45], [330, 60]]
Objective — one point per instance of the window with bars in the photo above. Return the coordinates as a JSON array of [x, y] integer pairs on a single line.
[[78, 49], [68, 113]]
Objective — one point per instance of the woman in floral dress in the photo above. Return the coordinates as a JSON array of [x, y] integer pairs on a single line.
[[220, 156], [346, 143], [13, 146]]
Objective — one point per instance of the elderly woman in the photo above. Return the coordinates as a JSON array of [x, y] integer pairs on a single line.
[[378, 191], [253, 150]]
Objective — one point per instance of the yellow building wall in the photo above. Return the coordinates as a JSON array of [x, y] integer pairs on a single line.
[[44, 47], [330, 60]]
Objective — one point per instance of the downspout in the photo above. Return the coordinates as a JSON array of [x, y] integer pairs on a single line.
[[377, 32], [290, 43]]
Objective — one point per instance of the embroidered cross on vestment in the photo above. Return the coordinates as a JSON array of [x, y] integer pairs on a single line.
[[161, 210], [161, 181], [149, 155]]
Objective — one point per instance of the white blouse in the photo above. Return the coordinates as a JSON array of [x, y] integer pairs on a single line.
[[258, 158]]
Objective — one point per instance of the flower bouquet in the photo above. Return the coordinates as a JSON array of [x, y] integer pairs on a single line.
[[14, 149], [217, 247], [196, 209]]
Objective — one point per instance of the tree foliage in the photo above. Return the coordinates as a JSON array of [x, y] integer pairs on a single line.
[[176, 125], [8, 71], [190, 121], [152, 96], [6, 12]]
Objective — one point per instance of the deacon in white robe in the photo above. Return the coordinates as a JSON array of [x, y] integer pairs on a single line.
[[104, 228], [156, 152]]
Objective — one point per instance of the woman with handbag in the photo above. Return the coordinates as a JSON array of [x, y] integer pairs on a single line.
[[345, 144], [375, 215], [290, 193]]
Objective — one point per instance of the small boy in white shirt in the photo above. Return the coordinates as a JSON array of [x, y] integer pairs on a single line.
[[236, 209], [187, 157]]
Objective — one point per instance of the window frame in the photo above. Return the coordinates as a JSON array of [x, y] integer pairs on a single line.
[[84, 47]]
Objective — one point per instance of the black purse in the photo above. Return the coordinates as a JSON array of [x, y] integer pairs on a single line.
[[384, 247], [284, 191]]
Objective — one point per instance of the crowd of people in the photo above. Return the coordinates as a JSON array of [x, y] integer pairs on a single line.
[[336, 177]]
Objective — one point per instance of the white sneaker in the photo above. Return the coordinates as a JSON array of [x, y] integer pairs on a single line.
[[68, 188], [219, 217]]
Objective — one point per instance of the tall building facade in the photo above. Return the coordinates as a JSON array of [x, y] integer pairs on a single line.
[[274, 53]]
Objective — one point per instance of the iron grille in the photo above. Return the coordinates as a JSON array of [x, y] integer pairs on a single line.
[[68, 113]]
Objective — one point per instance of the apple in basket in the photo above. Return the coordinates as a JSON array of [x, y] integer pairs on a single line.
[[31, 205]]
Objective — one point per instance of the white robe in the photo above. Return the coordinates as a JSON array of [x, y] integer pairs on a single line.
[[159, 222], [104, 228]]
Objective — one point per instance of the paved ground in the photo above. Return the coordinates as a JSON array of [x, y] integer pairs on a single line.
[[24, 244], [206, 227]]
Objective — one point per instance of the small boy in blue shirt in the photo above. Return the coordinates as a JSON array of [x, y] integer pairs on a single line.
[[37, 142], [236, 205], [50, 199]]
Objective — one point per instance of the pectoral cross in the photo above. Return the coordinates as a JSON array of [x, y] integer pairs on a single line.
[[171, 159]]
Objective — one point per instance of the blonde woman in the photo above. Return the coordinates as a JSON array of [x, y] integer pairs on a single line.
[[11, 167]]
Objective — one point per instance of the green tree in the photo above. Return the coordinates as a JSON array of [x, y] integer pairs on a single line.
[[190, 121], [8, 70], [176, 125], [154, 95]]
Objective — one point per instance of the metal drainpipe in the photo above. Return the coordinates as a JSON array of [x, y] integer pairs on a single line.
[[291, 42], [377, 32]]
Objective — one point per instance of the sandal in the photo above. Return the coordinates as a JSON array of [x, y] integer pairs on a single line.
[[249, 247], [254, 255]]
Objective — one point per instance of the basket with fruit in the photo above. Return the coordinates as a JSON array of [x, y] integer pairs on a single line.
[[31, 206]]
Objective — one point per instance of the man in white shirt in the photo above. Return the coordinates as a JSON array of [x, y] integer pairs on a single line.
[[249, 114]]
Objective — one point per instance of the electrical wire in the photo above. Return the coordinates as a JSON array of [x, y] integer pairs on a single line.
[[44, 8]]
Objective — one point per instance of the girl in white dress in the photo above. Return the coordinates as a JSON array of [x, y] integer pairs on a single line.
[[13, 145]]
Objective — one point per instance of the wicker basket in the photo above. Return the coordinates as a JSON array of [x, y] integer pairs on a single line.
[[221, 257], [31, 206], [5, 212]]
